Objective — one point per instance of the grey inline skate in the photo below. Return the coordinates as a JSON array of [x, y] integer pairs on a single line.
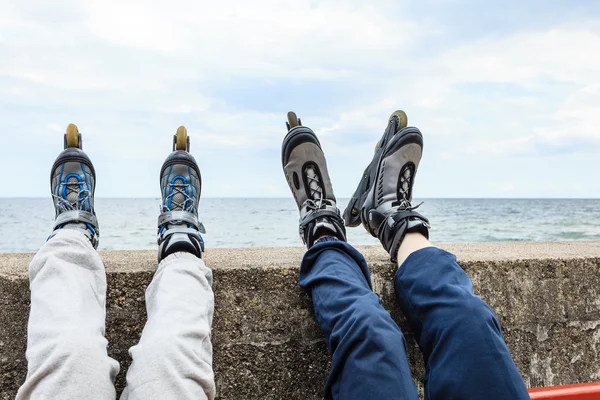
[[179, 229], [72, 184], [382, 201], [305, 170]]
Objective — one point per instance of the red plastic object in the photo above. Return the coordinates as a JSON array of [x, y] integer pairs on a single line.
[[582, 391]]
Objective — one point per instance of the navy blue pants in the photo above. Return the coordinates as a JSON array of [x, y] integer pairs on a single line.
[[462, 343]]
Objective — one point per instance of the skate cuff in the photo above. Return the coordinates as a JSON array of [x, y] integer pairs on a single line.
[[396, 228], [405, 214], [312, 226], [329, 211], [179, 231], [79, 217], [84, 217], [176, 229], [180, 217]]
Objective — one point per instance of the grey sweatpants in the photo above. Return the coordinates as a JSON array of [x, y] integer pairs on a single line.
[[66, 348]]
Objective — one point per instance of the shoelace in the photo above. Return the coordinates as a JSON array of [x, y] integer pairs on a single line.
[[65, 205], [312, 205], [316, 202], [179, 188], [404, 204], [314, 184]]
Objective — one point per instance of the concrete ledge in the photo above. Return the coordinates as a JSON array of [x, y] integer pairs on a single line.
[[268, 346]]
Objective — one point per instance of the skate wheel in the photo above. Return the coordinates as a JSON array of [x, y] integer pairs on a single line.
[[376, 146], [72, 137], [181, 138], [402, 119], [293, 120]]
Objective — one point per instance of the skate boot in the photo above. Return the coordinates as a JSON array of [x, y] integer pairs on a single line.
[[181, 184], [397, 121], [383, 197], [72, 183], [305, 169]]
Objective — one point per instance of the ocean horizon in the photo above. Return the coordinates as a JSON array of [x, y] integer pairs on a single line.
[[129, 223]]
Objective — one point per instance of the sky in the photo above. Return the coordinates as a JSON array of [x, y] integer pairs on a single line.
[[506, 94]]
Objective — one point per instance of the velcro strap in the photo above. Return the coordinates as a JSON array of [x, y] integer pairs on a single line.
[[84, 217], [171, 217], [326, 212], [179, 229], [400, 215]]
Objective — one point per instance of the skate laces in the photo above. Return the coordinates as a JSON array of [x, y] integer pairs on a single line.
[[74, 199], [314, 184], [179, 198], [404, 189], [405, 205], [312, 205], [315, 201]]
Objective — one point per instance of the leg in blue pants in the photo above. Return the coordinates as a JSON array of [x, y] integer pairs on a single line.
[[465, 353], [368, 349], [462, 343]]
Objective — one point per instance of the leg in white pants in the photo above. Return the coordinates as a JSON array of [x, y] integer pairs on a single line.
[[173, 359], [66, 347]]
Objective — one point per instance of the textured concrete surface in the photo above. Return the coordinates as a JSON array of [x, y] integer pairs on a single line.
[[268, 346]]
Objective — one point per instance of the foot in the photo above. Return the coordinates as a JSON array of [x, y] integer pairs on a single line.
[[384, 195], [72, 184], [305, 169], [181, 184]]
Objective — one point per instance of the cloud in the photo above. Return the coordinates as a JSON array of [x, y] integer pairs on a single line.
[[487, 85], [571, 128], [169, 43], [577, 120]]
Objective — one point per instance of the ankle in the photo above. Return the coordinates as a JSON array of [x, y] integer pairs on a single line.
[[413, 241], [393, 229]]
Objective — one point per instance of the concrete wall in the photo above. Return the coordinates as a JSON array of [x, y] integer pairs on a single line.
[[268, 346]]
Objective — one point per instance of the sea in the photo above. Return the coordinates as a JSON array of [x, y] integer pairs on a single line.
[[130, 223]]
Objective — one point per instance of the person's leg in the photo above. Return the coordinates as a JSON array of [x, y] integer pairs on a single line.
[[367, 348], [173, 359], [66, 347], [465, 353], [462, 342]]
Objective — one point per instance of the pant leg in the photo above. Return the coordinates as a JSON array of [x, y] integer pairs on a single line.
[[173, 359], [462, 342], [66, 347], [367, 347]]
